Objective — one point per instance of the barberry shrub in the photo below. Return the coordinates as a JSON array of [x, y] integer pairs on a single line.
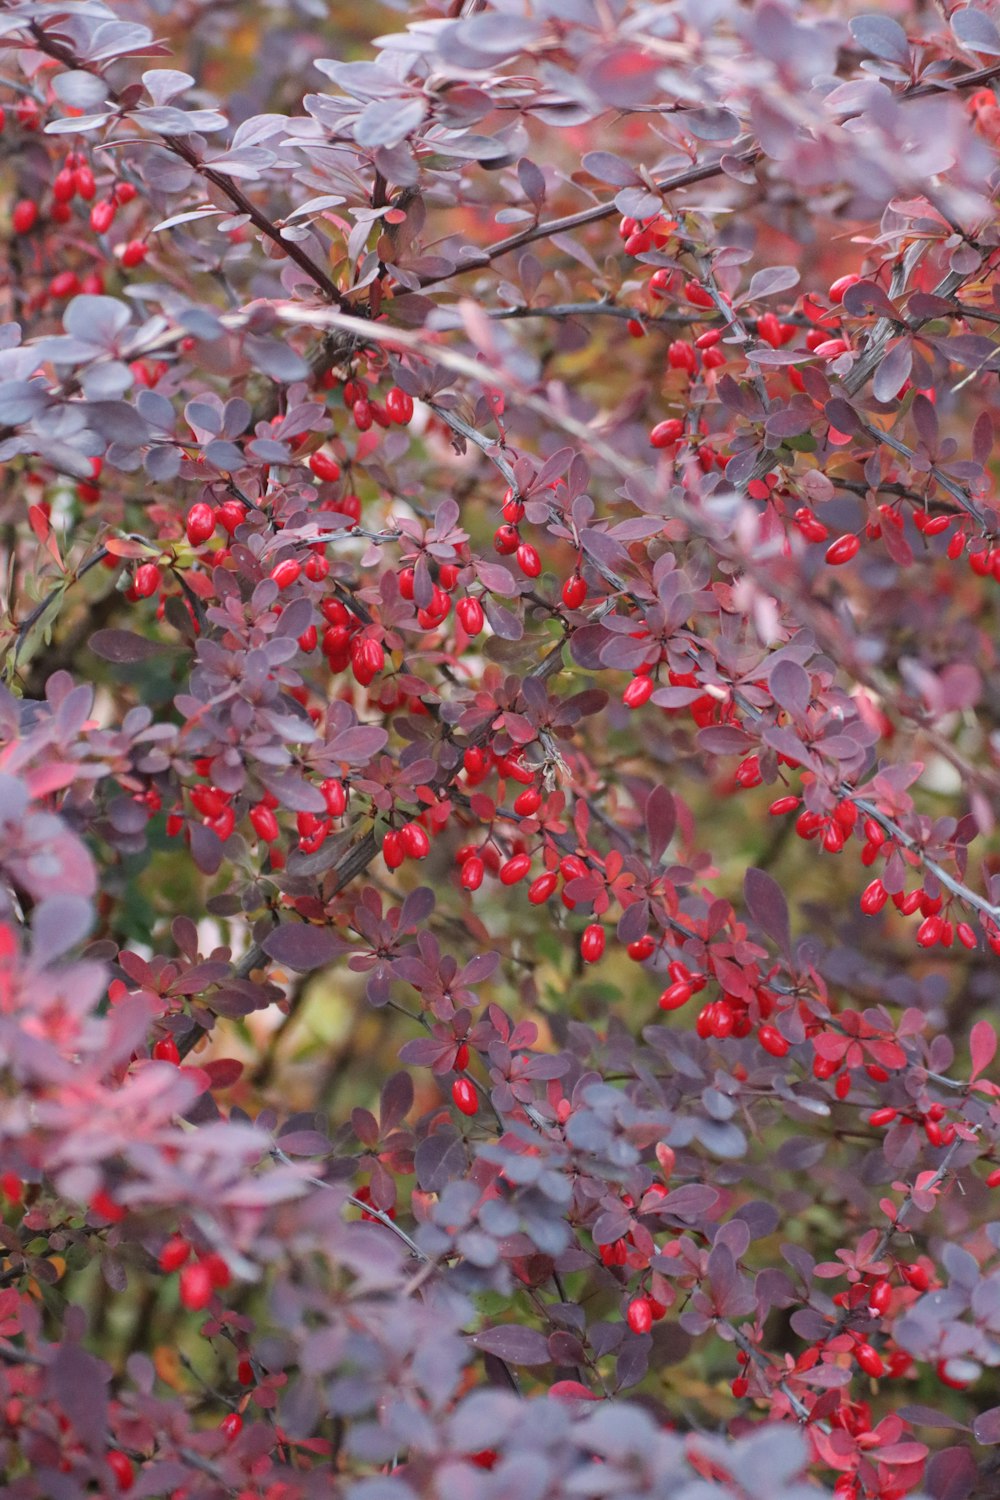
[[499, 751]]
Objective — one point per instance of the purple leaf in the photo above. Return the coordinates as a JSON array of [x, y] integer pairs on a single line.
[[301, 947], [767, 905], [514, 1344]]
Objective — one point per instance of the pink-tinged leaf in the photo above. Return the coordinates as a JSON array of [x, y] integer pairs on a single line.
[[982, 1047], [223, 1072], [570, 1390]]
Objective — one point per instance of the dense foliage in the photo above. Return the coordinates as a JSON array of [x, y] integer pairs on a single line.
[[499, 750]]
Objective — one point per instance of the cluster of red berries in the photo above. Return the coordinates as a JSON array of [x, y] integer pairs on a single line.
[[507, 537], [199, 1278], [411, 841], [215, 808], [937, 1134], [396, 410]]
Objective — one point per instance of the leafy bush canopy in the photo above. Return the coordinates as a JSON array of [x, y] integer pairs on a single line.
[[499, 751]]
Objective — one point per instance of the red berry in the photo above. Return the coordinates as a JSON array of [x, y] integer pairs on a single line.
[[146, 580], [930, 931], [399, 405], [641, 949], [873, 898], [879, 1298], [265, 824], [515, 869], [574, 591], [528, 560], [463, 1092], [470, 615], [993, 1178], [681, 356], [639, 1315], [195, 1287], [916, 1276], [393, 851], [880, 1117], [542, 887], [840, 286], [324, 467], [415, 840], [666, 434], [134, 253], [218, 1270], [121, 1467], [166, 1050], [772, 1041], [506, 539], [64, 185], [24, 216], [244, 1372], [231, 1426], [200, 523], [28, 112], [842, 550], [472, 873], [783, 805], [638, 692], [966, 935], [286, 572], [675, 996], [335, 796], [174, 1253], [592, 943], [102, 215], [528, 802], [230, 514], [698, 295], [124, 191], [870, 1360]]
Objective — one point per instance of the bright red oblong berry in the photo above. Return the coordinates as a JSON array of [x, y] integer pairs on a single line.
[[666, 434], [470, 615], [772, 1041], [200, 523], [541, 888], [574, 591], [166, 1050], [515, 869], [24, 216], [638, 692], [592, 943], [121, 1467], [174, 1254], [870, 1360], [285, 573], [463, 1092], [195, 1287], [415, 840], [873, 898], [639, 1315], [842, 550]]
